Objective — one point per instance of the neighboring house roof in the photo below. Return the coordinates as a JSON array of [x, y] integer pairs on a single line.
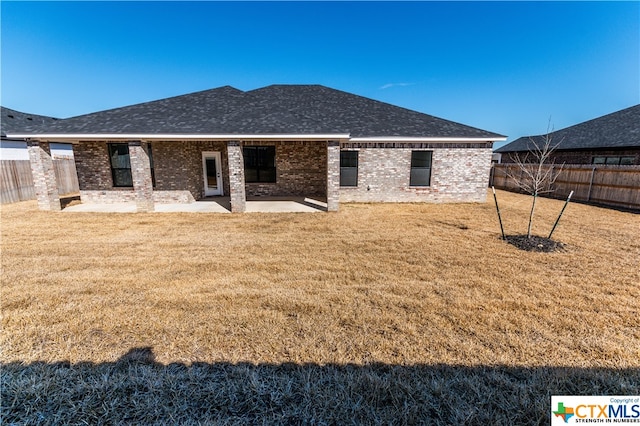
[[620, 129], [272, 110], [12, 121]]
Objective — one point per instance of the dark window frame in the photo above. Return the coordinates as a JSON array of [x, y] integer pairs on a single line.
[[114, 174], [260, 161], [613, 160], [349, 173], [418, 169], [151, 166]]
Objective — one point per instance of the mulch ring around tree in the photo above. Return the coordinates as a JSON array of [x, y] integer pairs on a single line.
[[535, 243]]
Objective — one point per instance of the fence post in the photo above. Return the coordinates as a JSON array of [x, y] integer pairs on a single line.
[[491, 174], [16, 182], [560, 215], [499, 215], [593, 173], [521, 173]]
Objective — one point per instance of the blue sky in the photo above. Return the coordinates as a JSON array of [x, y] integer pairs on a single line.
[[506, 67]]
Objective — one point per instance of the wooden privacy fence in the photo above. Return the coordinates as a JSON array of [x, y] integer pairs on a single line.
[[16, 181], [617, 186]]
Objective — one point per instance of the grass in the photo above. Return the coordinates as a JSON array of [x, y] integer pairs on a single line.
[[381, 313]]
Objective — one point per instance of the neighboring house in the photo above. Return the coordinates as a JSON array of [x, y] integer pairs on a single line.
[[611, 139], [12, 121], [281, 140]]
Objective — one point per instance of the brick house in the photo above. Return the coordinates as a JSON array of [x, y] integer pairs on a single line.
[[612, 139], [281, 140]]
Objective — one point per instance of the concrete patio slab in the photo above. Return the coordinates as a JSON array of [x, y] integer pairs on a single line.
[[212, 205], [285, 205]]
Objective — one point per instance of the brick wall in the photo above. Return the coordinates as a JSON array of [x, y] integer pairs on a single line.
[[301, 169], [44, 176], [333, 176], [141, 176], [120, 195], [177, 167], [459, 173], [94, 175], [93, 167], [238, 194]]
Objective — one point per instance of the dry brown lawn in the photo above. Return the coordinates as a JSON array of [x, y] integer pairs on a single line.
[[413, 305]]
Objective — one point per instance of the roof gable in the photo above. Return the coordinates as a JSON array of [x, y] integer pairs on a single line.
[[620, 129]]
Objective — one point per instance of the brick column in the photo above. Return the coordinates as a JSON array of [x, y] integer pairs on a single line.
[[44, 176], [141, 175], [236, 177], [333, 175]]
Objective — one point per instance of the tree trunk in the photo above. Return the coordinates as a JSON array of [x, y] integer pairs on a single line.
[[533, 207]]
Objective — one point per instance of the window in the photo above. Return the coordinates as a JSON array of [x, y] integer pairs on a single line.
[[153, 173], [420, 168], [613, 160], [259, 164], [120, 164], [348, 168]]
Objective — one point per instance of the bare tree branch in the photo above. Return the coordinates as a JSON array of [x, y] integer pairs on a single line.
[[535, 173]]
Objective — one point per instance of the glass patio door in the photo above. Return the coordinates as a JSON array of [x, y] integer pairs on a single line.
[[212, 173]]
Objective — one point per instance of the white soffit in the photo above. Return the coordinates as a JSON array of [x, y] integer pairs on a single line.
[[174, 137], [231, 137], [424, 139]]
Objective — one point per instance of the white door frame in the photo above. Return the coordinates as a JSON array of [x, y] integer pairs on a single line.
[[216, 156]]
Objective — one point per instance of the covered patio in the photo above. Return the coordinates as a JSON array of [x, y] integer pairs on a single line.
[[172, 178]]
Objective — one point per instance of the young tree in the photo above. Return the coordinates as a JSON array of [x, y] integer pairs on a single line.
[[535, 170]]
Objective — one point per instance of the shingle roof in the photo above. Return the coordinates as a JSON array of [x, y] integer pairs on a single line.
[[360, 116], [278, 109], [12, 121], [620, 129]]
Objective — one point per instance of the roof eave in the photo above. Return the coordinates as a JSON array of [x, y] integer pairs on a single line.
[[62, 137], [428, 139], [582, 148], [174, 137]]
